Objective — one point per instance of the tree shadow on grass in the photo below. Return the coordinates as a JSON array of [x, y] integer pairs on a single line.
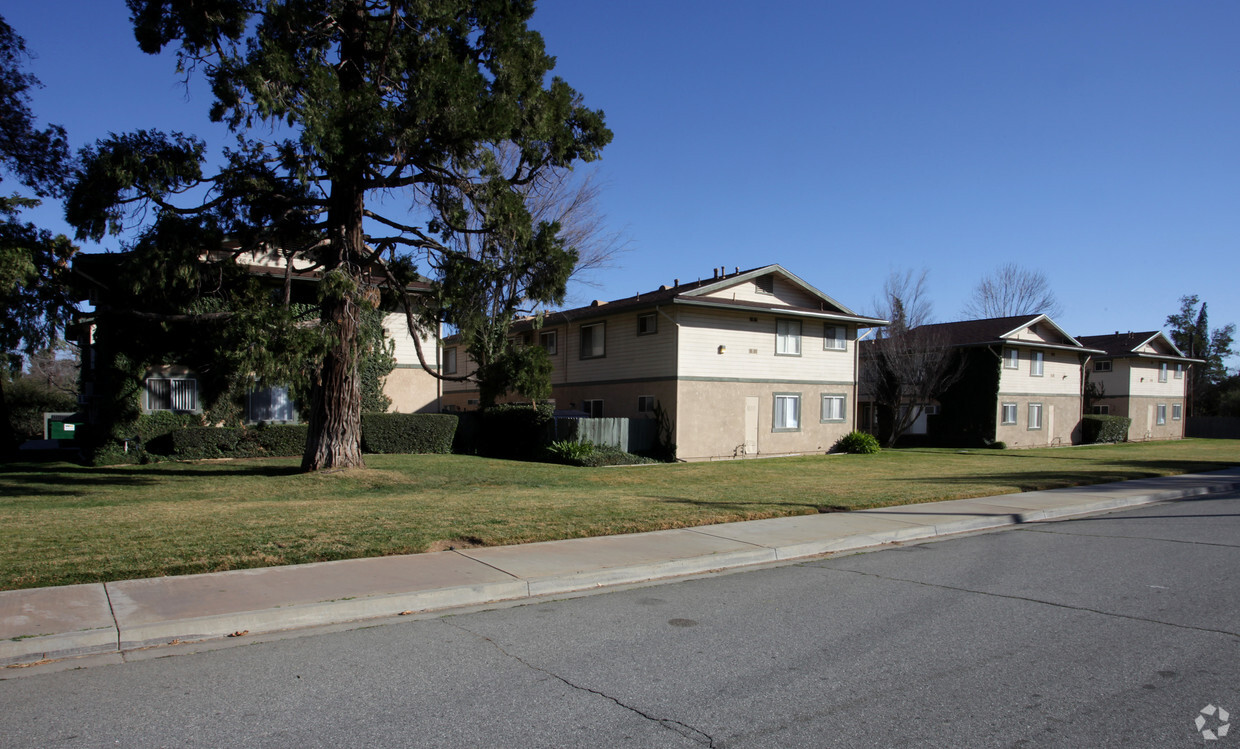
[[34, 479]]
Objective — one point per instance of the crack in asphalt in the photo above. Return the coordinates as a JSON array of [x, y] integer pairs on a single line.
[[1068, 606], [1134, 538], [676, 726]]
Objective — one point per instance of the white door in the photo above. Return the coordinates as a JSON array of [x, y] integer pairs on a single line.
[[751, 425]]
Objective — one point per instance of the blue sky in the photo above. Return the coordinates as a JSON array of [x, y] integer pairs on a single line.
[[1095, 142]]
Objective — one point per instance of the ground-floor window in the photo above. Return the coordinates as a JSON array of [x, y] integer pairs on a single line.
[[1177, 411], [270, 404], [1162, 413], [1009, 413], [593, 407], [787, 412], [171, 394], [645, 404], [1035, 415], [832, 407], [1100, 410]]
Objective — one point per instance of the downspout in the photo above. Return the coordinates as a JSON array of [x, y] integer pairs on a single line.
[[675, 366]]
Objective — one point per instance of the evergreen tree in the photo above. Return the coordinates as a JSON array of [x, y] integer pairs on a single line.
[[375, 105], [1190, 332]]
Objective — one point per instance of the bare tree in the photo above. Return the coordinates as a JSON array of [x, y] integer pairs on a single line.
[[909, 363], [1012, 290]]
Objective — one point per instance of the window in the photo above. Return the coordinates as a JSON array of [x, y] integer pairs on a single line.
[[1102, 366], [1162, 414], [546, 340], [593, 407], [1035, 415], [1009, 413], [787, 412], [765, 284], [788, 337], [645, 404], [594, 340], [269, 404], [449, 361], [832, 408], [180, 394], [1100, 410], [1179, 371], [647, 324], [1177, 411], [1162, 373], [930, 410], [1035, 363], [1011, 358], [834, 338]]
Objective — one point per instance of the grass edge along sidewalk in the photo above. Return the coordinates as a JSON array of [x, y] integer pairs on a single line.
[[64, 524], [103, 621]]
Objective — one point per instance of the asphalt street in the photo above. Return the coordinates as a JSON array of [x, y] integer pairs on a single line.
[[1112, 630]]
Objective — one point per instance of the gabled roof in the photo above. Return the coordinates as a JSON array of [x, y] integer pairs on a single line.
[[1123, 345], [696, 293], [1001, 330]]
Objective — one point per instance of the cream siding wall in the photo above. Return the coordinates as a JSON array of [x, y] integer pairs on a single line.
[[1143, 379], [627, 355], [786, 293], [410, 387], [1061, 374], [749, 348]]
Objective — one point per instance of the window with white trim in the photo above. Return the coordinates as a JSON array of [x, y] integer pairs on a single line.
[[645, 404], [788, 337], [1035, 363], [171, 394], [546, 340], [647, 324], [787, 412], [1162, 372], [270, 404], [1102, 366], [1177, 411], [594, 340], [1009, 413], [832, 407], [1011, 358], [1179, 371], [1162, 414], [1035, 415], [834, 338], [449, 361]]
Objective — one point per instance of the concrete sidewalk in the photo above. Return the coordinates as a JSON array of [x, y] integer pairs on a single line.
[[54, 623]]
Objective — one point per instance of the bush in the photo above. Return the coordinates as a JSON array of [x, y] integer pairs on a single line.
[[1098, 428], [280, 440], [606, 455], [569, 452], [859, 443], [408, 433], [998, 445], [514, 430], [201, 443]]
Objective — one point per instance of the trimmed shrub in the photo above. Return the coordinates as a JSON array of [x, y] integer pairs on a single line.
[[606, 455], [515, 430], [201, 443], [279, 440], [998, 445], [569, 451], [1097, 428], [408, 433], [859, 443]]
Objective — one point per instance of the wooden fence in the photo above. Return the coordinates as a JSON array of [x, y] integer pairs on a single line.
[[630, 435]]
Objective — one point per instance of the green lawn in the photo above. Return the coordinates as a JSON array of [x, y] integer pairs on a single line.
[[62, 524]]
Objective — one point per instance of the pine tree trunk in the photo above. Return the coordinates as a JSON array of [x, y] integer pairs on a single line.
[[335, 439]]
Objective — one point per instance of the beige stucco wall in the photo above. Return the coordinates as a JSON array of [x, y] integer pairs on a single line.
[[711, 419], [1061, 421], [1144, 414], [412, 390]]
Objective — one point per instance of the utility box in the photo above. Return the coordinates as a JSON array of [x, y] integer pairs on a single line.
[[61, 426]]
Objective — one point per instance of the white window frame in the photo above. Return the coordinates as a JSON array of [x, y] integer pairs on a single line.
[[834, 338], [832, 404], [1160, 412], [598, 329], [188, 387], [1037, 361], [789, 412], [651, 328], [546, 339], [1035, 416], [1179, 371], [645, 404], [1177, 411], [1011, 358], [1103, 365], [1004, 409], [786, 341], [1162, 372]]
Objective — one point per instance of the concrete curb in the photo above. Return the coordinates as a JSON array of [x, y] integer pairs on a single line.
[[134, 614]]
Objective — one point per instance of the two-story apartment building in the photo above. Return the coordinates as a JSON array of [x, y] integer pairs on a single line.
[[1022, 385], [756, 362], [1141, 376]]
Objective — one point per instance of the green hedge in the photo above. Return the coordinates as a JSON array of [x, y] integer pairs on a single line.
[[515, 430], [408, 433], [266, 441], [1098, 428]]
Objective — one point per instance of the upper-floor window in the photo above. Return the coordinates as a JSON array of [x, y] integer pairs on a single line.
[[171, 394], [834, 338], [1035, 363], [1162, 372], [647, 324], [546, 339], [1103, 365], [788, 337], [1011, 358], [594, 340], [1179, 371], [449, 361]]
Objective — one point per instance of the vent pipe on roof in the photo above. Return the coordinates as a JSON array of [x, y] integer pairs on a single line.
[[716, 270], [736, 269], [675, 282]]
